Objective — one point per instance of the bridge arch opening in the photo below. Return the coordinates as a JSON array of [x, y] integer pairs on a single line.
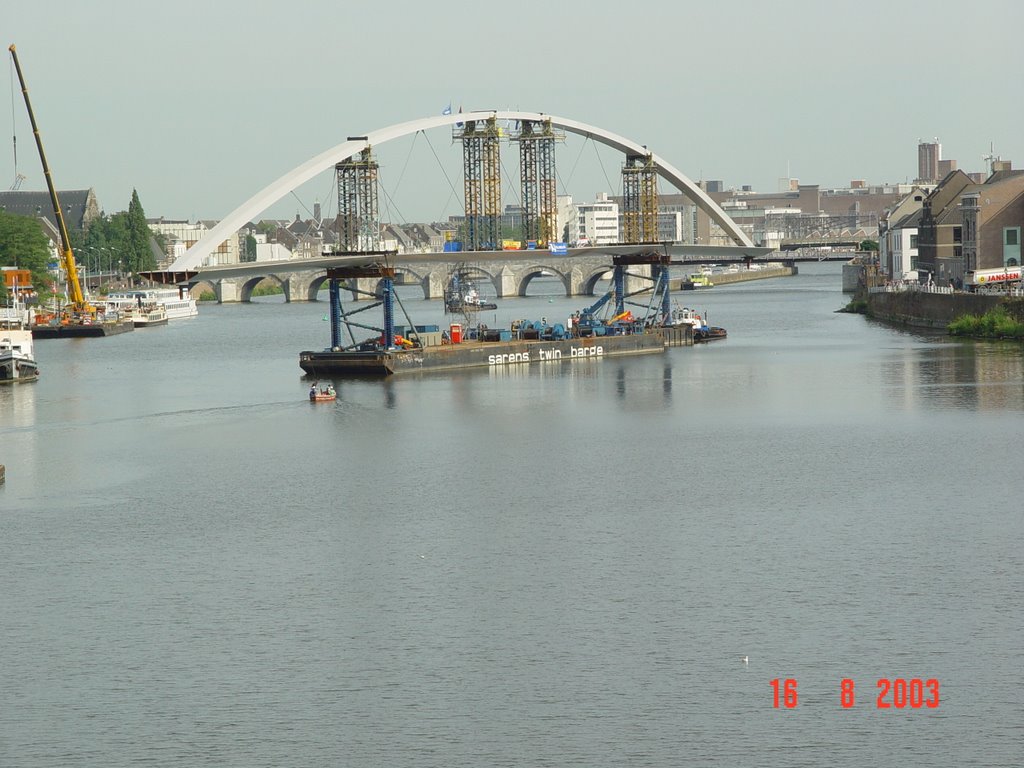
[[597, 283], [317, 286], [548, 277], [271, 282], [203, 290], [487, 285]]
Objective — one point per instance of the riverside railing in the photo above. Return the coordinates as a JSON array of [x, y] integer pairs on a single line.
[[911, 286]]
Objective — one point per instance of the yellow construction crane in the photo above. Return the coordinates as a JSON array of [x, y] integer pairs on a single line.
[[79, 306]]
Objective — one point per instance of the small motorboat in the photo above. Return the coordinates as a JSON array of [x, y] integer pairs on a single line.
[[322, 394]]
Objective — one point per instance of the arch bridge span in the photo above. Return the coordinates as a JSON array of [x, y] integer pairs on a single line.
[[300, 281], [195, 256]]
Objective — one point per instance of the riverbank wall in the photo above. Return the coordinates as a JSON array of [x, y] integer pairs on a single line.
[[935, 310], [727, 278]]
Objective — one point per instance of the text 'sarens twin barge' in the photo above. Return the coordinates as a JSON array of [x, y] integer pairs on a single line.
[[530, 343]]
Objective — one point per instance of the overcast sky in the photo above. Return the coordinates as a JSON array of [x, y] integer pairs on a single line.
[[198, 105]]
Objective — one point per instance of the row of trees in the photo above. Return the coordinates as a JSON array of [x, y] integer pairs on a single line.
[[116, 243], [120, 241], [23, 245]]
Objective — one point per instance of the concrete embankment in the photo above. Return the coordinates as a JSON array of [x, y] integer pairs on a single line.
[[726, 278], [935, 310]]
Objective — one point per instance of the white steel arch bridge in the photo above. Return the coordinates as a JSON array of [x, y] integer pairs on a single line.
[[194, 258]]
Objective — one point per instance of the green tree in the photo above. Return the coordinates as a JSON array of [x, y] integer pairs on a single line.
[[23, 245], [868, 245], [140, 255], [105, 243], [250, 248]]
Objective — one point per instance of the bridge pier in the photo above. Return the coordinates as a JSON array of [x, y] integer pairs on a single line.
[[297, 287], [506, 284], [227, 292], [577, 282], [433, 286]]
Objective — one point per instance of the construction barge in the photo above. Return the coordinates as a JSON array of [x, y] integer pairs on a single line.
[[81, 330], [428, 348]]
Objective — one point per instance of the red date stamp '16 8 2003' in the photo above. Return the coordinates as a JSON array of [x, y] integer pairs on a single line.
[[891, 693]]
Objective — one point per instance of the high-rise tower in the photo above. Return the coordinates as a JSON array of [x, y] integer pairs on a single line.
[[928, 156]]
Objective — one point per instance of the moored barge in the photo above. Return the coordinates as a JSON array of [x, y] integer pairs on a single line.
[[426, 348], [478, 354]]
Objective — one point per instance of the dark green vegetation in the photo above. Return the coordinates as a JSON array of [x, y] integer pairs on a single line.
[[994, 324], [267, 289], [858, 306], [23, 245], [117, 243], [121, 243]]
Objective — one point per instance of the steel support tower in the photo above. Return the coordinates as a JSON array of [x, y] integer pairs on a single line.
[[658, 263], [639, 200], [546, 183], [537, 180], [491, 157], [528, 182], [358, 213], [339, 277], [481, 161]]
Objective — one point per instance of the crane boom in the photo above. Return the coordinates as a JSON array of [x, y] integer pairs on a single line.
[[68, 257]]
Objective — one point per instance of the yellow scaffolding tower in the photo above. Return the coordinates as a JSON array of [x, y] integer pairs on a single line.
[[537, 180], [481, 160], [639, 200]]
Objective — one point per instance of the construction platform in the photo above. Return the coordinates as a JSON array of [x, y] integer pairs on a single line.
[[79, 330]]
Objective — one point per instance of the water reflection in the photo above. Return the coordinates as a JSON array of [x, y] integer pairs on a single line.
[[18, 404], [976, 376]]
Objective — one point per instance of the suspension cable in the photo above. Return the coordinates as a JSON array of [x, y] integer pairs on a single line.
[[441, 166], [565, 187], [605, 172]]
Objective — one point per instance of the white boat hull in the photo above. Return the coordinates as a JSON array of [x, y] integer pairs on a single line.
[[17, 363]]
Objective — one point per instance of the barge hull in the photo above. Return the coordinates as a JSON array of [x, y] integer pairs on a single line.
[[477, 355], [84, 330]]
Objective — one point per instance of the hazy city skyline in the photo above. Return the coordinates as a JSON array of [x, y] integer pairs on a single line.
[[201, 107]]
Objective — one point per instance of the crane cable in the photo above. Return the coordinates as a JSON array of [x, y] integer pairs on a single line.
[[14, 129]]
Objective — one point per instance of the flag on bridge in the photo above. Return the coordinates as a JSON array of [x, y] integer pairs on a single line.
[[447, 110]]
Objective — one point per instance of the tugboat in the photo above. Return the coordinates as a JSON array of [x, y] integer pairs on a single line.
[[701, 330], [461, 296]]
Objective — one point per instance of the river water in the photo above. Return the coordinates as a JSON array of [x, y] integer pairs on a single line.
[[543, 566]]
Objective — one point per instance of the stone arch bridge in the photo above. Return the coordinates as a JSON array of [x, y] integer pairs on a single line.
[[303, 279]]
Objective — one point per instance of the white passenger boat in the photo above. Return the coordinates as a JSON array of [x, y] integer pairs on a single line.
[[147, 315], [174, 304]]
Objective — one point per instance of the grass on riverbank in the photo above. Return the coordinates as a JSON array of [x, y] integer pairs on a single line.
[[857, 306], [994, 324]]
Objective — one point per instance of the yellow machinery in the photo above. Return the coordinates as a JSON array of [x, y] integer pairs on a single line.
[[79, 306]]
